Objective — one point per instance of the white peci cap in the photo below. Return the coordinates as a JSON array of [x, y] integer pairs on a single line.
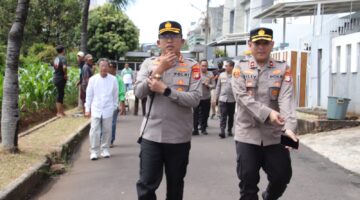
[[80, 54]]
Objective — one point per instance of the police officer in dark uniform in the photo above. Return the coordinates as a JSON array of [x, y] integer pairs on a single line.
[[263, 90], [174, 83]]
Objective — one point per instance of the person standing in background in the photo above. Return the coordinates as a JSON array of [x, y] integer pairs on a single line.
[[216, 73], [101, 101], [226, 99], [201, 112], [80, 57], [88, 71], [121, 103], [127, 75], [60, 78]]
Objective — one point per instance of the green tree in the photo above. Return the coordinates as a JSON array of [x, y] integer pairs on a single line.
[[10, 108], [50, 22], [7, 8], [54, 22], [220, 53], [111, 33], [119, 4]]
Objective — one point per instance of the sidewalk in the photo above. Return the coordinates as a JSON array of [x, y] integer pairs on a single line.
[[340, 146], [211, 173]]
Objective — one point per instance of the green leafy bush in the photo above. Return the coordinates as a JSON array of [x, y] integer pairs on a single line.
[[37, 90], [39, 53]]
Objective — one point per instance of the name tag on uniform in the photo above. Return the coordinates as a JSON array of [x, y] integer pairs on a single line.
[[181, 74]]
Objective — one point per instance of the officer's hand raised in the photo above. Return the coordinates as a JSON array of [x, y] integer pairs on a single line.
[[167, 61], [275, 118]]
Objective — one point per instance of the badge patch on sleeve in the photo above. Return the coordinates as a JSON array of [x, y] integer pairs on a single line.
[[236, 72], [195, 71]]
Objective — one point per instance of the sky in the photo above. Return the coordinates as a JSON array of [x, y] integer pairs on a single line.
[[148, 14]]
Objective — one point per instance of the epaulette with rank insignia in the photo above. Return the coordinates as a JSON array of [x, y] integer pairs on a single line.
[[190, 59], [152, 58]]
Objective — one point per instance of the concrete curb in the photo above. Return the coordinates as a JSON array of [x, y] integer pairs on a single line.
[[19, 188], [22, 186], [309, 126], [37, 127]]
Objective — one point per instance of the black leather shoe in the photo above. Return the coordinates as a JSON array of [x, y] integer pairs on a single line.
[[222, 135], [230, 134], [204, 132], [195, 132]]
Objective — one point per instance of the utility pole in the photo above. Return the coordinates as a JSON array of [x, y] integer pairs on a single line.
[[206, 29]]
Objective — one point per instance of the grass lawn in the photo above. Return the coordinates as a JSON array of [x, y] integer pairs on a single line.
[[35, 146]]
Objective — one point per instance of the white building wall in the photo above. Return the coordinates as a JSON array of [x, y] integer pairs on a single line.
[[342, 42], [228, 6], [313, 90], [345, 77]]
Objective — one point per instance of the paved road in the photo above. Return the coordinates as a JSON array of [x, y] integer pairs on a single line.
[[211, 172]]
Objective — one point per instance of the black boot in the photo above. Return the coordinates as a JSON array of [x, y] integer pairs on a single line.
[[195, 132], [222, 134]]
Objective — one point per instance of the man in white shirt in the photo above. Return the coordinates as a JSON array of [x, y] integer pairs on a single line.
[[101, 101]]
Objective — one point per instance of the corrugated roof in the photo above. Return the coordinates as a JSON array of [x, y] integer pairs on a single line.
[[308, 8], [231, 39]]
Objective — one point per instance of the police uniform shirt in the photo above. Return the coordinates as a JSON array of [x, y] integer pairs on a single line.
[[258, 90], [170, 119], [223, 88], [207, 77]]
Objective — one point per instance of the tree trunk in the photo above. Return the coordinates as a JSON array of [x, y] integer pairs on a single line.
[[10, 108], [85, 19]]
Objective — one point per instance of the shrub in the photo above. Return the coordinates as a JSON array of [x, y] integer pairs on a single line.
[[39, 53], [37, 90]]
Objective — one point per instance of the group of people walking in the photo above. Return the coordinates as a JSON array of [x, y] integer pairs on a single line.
[[215, 88], [102, 96], [180, 93], [179, 90]]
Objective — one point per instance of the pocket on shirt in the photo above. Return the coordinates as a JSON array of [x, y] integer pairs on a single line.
[[274, 90], [251, 85]]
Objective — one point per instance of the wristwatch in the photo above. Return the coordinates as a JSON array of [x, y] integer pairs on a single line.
[[157, 76], [167, 92]]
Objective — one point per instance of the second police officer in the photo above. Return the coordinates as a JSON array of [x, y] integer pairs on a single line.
[[263, 90]]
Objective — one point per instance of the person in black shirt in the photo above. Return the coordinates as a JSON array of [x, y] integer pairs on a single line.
[[60, 77]]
